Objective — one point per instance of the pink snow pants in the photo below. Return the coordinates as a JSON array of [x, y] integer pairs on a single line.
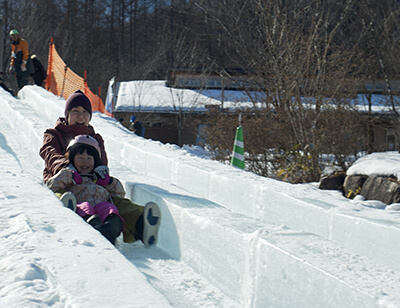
[[103, 209]]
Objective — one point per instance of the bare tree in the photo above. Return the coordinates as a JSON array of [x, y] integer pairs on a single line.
[[302, 63], [381, 65]]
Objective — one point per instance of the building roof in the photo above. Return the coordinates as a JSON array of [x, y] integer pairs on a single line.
[[155, 96]]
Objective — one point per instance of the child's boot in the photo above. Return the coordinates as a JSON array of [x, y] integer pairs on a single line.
[[151, 224], [69, 200], [111, 228], [93, 220]]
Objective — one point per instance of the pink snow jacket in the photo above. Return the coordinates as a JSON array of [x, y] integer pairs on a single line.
[[88, 190]]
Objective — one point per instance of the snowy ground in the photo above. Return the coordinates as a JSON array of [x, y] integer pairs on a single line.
[[228, 238]]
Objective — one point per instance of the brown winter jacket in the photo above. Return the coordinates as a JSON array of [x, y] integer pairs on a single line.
[[88, 190], [55, 144]]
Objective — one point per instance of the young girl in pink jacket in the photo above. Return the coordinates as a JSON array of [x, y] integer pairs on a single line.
[[90, 196]]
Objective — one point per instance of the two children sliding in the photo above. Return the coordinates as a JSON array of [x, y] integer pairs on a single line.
[[76, 167]]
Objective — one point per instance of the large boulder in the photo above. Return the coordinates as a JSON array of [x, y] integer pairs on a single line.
[[333, 182], [384, 189], [353, 184]]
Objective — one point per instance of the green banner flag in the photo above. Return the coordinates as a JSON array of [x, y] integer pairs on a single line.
[[238, 150]]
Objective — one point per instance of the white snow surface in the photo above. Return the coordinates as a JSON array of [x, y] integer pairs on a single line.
[[228, 238], [380, 164]]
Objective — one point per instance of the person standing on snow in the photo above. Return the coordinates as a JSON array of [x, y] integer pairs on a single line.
[[20, 64], [78, 113], [136, 126], [83, 192], [39, 75]]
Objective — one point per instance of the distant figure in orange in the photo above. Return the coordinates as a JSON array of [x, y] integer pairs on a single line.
[[20, 64]]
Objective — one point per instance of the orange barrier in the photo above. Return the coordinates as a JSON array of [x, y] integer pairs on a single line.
[[62, 81]]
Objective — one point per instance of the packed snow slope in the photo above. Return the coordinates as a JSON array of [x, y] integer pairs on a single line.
[[228, 238]]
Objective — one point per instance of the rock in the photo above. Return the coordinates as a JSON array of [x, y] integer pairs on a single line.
[[353, 184], [333, 182], [384, 189]]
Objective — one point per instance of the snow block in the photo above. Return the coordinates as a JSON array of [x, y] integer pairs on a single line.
[[266, 265], [44, 102], [257, 197]]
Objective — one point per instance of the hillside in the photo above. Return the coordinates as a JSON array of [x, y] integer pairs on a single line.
[[228, 238]]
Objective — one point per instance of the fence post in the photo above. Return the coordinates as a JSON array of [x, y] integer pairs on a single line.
[[63, 83], [49, 65], [85, 85], [100, 102], [1, 44]]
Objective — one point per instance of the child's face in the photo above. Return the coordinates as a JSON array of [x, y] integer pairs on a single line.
[[78, 115], [84, 162]]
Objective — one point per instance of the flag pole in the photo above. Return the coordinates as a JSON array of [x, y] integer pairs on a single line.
[[238, 147]]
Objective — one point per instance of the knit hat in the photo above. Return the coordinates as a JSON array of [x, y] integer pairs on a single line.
[[75, 100]]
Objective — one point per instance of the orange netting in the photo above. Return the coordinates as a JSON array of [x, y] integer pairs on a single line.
[[62, 81]]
